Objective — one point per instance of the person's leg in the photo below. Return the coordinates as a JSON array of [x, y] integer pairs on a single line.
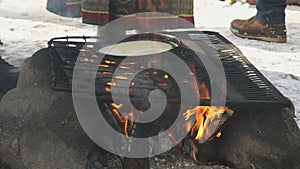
[[271, 11], [8, 77], [267, 25]]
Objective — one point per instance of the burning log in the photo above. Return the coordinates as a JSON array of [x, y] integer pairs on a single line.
[[205, 152]]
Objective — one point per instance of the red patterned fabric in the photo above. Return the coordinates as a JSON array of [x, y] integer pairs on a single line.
[[100, 12]]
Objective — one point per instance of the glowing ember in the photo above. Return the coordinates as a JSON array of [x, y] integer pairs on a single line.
[[112, 83], [104, 66], [107, 89], [107, 73], [86, 59], [124, 67], [121, 77], [185, 81], [110, 62], [219, 134], [128, 73], [163, 84]]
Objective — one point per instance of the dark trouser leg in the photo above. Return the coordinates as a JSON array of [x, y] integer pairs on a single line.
[[271, 11]]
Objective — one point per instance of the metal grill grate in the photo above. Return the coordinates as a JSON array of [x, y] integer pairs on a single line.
[[245, 84], [243, 79]]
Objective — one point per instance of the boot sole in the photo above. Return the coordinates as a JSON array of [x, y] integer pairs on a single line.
[[267, 39]]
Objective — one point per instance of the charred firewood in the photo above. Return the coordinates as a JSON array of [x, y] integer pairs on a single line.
[[136, 163], [206, 152]]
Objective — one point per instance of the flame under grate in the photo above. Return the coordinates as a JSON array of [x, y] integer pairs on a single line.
[[245, 84]]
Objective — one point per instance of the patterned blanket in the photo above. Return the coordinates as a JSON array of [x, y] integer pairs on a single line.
[[68, 8], [100, 12]]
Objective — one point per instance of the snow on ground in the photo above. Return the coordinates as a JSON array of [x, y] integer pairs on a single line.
[[280, 63], [26, 27]]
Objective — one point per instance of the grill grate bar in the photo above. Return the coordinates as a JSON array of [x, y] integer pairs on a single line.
[[245, 84]]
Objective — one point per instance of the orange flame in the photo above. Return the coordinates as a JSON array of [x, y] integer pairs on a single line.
[[204, 93], [129, 126], [202, 88], [205, 115], [189, 126], [127, 120]]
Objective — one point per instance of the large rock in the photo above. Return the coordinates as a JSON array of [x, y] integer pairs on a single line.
[[261, 138], [39, 128]]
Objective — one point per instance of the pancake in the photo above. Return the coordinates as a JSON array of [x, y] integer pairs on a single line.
[[136, 48]]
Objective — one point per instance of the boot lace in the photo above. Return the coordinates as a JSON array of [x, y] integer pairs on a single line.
[[251, 20]]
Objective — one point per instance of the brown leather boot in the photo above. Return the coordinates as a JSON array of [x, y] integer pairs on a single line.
[[251, 2], [293, 2], [254, 29]]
